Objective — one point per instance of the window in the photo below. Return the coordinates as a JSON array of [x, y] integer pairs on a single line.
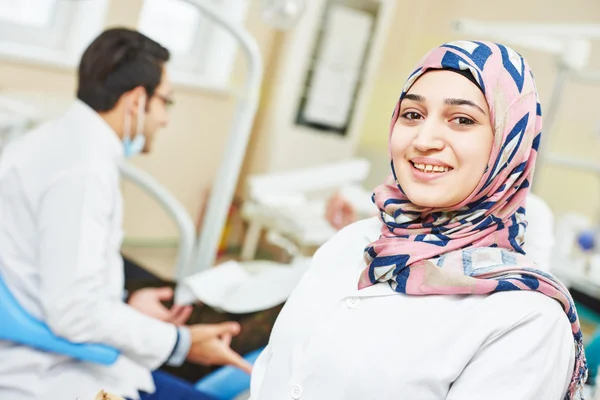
[[49, 31], [202, 53]]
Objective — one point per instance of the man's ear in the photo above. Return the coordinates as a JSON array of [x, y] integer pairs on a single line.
[[138, 99]]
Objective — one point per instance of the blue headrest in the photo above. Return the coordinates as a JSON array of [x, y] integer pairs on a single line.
[[20, 327]]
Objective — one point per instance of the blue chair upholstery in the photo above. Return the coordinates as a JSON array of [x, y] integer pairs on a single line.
[[19, 326], [227, 382]]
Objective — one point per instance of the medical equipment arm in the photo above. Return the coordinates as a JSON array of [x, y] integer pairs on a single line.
[[235, 149], [78, 291], [187, 230]]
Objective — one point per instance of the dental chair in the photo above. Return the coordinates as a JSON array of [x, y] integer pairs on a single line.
[[20, 327]]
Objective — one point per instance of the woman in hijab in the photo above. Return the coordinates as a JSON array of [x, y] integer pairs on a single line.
[[436, 299]]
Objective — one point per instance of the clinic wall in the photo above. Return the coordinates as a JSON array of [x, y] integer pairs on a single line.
[[186, 154], [425, 24]]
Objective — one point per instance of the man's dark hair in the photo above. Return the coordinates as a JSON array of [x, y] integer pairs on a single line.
[[116, 62]]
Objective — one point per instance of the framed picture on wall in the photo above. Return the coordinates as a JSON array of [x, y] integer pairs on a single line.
[[335, 72]]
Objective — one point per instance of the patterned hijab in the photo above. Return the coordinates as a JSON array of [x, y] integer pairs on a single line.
[[474, 247]]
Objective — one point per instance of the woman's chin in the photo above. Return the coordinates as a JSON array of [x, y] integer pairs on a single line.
[[444, 192]]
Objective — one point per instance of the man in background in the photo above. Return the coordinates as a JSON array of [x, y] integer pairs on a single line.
[[61, 233]]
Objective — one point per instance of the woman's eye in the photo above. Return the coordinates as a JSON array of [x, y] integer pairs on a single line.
[[463, 121], [411, 115]]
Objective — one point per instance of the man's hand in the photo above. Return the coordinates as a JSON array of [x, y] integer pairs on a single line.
[[340, 212], [210, 346], [149, 301]]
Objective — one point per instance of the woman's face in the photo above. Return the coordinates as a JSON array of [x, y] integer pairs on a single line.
[[442, 139]]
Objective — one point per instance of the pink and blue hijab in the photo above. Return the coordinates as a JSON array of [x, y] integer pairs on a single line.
[[475, 247]]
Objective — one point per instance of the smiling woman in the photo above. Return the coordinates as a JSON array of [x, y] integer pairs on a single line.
[[442, 139], [436, 298]]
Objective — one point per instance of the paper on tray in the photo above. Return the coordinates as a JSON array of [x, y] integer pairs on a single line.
[[242, 287]]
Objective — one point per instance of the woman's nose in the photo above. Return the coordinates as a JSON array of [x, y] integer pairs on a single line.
[[429, 136]]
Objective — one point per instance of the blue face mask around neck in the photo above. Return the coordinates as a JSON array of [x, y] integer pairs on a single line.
[[135, 146]]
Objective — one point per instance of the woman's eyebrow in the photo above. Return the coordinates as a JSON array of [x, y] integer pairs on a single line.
[[463, 102], [450, 102], [415, 97]]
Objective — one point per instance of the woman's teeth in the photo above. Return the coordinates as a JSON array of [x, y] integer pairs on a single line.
[[431, 168]]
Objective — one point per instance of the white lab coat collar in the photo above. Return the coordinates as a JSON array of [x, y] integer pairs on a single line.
[[82, 115]]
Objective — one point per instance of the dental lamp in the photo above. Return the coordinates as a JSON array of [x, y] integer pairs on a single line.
[[282, 14]]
